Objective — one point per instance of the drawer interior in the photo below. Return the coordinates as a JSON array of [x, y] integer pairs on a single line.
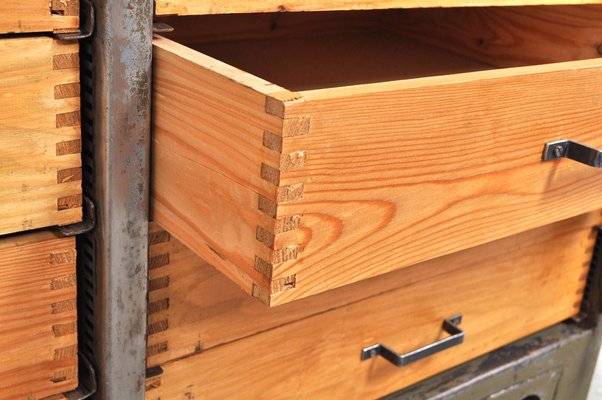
[[310, 51]]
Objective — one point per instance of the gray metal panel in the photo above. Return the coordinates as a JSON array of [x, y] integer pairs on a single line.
[[122, 54], [556, 364]]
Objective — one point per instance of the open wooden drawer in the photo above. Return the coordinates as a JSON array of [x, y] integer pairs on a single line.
[[302, 152], [212, 341]]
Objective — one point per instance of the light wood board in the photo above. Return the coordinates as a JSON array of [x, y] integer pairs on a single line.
[[40, 134], [23, 16], [311, 348], [505, 36], [191, 7], [38, 317]]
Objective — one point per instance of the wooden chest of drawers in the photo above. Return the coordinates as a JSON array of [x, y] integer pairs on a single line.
[[38, 317], [40, 137], [303, 152], [213, 341]]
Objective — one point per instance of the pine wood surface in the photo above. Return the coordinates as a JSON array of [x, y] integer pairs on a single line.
[[22, 16], [193, 307], [192, 7], [38, 320], [294, 193], [505, 36], [40, 138], [505, 290]]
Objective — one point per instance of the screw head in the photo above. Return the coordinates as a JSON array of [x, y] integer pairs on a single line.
[[558, 151], [372, 353]]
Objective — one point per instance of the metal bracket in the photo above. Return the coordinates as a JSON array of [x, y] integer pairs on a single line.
[[162, 27], [87, 381], [89, 19], [450, 326], [88, 223], [573, 150]]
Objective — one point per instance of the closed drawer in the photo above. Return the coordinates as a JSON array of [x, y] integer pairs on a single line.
[[38, 317], [196, 7], [361, 143], [21, 16], [40, 138], [212, 341]]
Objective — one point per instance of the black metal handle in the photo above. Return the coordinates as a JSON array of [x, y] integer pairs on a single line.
[[575, 151], [450, 326]]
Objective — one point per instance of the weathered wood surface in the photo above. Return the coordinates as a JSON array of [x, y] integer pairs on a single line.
[[294, 193], [40, 136], [38, 316], [196, 7], [505, 290], [23, 16]]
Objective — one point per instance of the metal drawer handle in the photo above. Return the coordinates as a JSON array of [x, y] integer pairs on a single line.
[[450, 326], [573, 150]]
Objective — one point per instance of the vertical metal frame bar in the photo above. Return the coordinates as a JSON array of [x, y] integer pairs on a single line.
[[122, 52]]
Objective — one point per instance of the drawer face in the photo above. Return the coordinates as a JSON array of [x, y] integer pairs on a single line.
[[40, 135], [21, 16], [320, 177], [38, 317], [505, 290], [196, 7]]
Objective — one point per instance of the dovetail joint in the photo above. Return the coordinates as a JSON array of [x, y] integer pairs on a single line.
[[158, 327], [158, 261], [263, 267], [283, 284], [158, 283], [158, 237], [265, 237], [157, 306]]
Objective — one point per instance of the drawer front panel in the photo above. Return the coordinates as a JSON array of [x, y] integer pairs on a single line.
[[38, 317], [40, 136], [505, 290], [21, 16]]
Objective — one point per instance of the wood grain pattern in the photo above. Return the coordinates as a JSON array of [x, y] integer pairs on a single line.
[[38, 332], [292, 193], [191, 7], [427, 171], [505, 290], [231, 127], [38, 125], [506, 36], [22, 16]]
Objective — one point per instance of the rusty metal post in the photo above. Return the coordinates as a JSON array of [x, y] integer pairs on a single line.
[[121, 51]]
